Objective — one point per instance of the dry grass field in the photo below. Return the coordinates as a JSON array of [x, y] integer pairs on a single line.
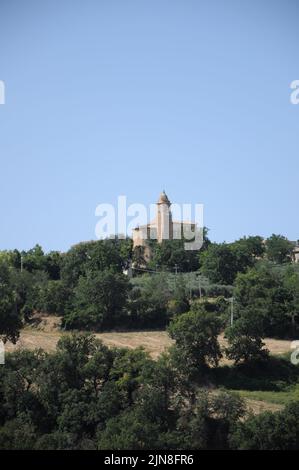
[[47, 333], [155, 342]]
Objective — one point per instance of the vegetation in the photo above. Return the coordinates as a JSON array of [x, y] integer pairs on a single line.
[[279, 249], [86, 285], [10, 321], [221, 263], [269, 431], [87, 396], [196, 335]]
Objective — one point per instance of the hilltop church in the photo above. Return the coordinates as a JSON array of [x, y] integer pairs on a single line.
[[162, 227]]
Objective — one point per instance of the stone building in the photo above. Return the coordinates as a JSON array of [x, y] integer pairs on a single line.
[[163, 227], [296, 253]]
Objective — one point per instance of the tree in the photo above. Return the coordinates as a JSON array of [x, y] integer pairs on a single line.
[[196, 336], [11, 257], [77, 376], [98, 301], [255, 287], [78, 356], [129, 430], [34, 259], [291, 284], [219, 264], [171, 255], [149, 300], [107, 254], [17, 434], [90, 258], [163, 392], [245, 337], [73, 264], [208, 423], [252, 246], [252, 311], [125, 248], [53, 264], [10, 319], [268, 431], [279, 249], [247, 251], [53, 297], [265, 291], [128, 370]]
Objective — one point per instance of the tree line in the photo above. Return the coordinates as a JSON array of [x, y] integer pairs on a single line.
[[87, 396], [87, 287]]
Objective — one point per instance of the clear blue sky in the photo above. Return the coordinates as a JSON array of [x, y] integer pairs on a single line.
[[105, 98]]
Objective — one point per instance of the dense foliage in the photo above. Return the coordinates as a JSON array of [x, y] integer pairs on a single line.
[[269, 431], [87, 286], [86, 396], [196, 336]]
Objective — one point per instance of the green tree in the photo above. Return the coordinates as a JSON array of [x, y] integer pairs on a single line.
[[208, 422], [171, 255], [10, 319], [251, 246], [53, 264], [90, 258], [99, 301], [291, 284], [219, 264], [34, 259], [53, 297], [196, 336], [279, 249], [11, 257], [129, 430], [29, 288], [18, 434], [128, 370], [245, 337], [263, 290], [268, 431], [74, 365], [163, 392], [149, 301], [247, 251], [222, 262]]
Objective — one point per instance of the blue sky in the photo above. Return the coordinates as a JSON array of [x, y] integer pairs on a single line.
[[105, 98]]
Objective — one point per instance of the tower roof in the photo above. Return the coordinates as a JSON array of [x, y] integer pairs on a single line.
[[163, 199]]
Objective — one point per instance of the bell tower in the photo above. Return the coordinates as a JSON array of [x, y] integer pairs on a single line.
[[164, 219]]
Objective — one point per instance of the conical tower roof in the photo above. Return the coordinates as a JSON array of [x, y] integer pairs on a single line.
[[163, 199]]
